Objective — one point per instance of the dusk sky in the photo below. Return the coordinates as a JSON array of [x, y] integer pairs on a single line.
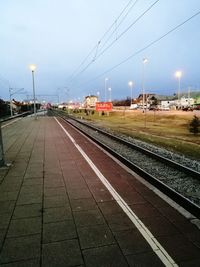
[[58, 35]]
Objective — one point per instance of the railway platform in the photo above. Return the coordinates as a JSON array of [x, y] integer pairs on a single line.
[[64, 202]]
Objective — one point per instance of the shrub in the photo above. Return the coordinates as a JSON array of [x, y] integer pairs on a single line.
[[194, 126]]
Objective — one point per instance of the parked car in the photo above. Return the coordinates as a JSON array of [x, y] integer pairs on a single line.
[[165, 108], [187, 109]]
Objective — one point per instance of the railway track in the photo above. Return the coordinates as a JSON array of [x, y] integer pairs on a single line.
[[177, 181]]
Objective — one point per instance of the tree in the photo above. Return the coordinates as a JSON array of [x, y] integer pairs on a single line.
[[195, 125]]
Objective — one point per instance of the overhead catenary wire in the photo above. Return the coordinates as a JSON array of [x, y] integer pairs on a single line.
[[129, 27], [111, 44], [118, 25], [144, 48], [94, 50]]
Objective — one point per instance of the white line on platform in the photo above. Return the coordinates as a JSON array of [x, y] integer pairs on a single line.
[[152, 241], [5, 125]]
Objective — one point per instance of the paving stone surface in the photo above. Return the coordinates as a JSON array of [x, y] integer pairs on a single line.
[[64, 253], [55, 211]]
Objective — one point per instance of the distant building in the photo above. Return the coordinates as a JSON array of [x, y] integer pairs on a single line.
[[90, 101], [164, 102], [147, 100], [185, 102]]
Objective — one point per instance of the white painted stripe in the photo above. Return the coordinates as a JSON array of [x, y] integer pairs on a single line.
[[152, 241], [5, 125]]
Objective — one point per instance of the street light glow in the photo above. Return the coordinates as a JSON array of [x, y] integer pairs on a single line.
[[145, 60], [178, 74], [130, 83], [32, 67]]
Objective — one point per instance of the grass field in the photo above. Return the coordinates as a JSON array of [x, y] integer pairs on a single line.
[[169, 129]]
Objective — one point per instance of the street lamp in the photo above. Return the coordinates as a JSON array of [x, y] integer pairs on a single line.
[[32, 68], [130, 83], [105, 88], [110, 91], [178, 75], [98, 96], [145, 61]]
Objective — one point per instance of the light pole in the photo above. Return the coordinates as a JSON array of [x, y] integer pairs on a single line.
[[98, 96], [32, 68], [105, 88], [130, 83], [178, 75], [110, 91], [145, 61]]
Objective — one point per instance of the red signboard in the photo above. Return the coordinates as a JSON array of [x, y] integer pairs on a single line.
[[103, 106]]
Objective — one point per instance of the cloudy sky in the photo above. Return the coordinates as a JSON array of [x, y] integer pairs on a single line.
[[77, 44]]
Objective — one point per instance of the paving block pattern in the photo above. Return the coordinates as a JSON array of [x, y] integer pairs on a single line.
[[55, 212]]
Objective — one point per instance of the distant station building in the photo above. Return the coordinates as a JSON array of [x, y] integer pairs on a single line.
[[154, 101], [90, 101]]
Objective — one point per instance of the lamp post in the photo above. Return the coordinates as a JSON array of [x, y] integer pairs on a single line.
[[105, 88], [178, 75], [32, 68], [130, 83], [98, 96], [110, 91], [11, 110], [145, 61]]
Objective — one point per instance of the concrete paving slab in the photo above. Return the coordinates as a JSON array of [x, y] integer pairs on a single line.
[[57, 214], [10, 195], [30, 198], [59, 231], [83, 204], [23, 227], [20, 248], [60, 254], [95, 236], [105, 256], [58, 191], [28, 263], [7, 206], [56, 201], [5, 220], [88, 217], [27, 211]]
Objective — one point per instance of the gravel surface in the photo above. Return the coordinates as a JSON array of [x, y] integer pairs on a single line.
[[180, 182]]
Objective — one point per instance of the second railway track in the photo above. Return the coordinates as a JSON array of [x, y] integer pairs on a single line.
[[177, 181]]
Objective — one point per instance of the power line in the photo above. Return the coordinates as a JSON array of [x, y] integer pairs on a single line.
[[145, 47], [95, 48], [128, 28], [117, 26]]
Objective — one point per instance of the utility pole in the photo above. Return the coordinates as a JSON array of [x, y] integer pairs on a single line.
[[12, 92], [2, 163], [189, 96]]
